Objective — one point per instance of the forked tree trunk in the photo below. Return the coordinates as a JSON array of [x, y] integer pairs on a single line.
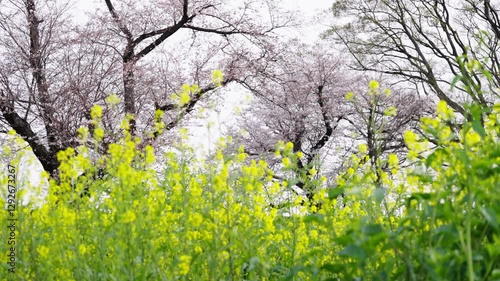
[[48, 157]]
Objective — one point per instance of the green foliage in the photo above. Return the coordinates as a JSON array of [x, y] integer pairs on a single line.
[[210, 221]]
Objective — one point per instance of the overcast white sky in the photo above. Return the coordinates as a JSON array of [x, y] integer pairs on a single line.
[[308, 8]]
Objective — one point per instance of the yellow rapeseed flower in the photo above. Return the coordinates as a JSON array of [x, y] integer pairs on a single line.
[[444, 111], [113, 99], [149, 154], [373, 85], [410, 137], [387, 92], [314, 234], [195, 219], [350, 171], [313, 172], [99, 134], [183, 266], [43, 252], [392, 160], [472, 138], [391, 111], [82, 249], [198, 249], [96, 112], [223, 255], [129, 216], [184, 98], [217, 77], [362, 148]]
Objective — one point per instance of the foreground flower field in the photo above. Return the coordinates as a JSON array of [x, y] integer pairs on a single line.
[[219, 220]]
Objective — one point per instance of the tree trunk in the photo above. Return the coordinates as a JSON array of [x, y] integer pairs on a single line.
[[129, 62], [47, 112]]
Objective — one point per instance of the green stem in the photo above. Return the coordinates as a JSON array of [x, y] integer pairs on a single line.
[[470, 266]]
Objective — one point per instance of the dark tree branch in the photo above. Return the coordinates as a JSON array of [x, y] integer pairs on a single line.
[[327, 121], [216, 31], [123, 27], [46, 157], [167, 32]]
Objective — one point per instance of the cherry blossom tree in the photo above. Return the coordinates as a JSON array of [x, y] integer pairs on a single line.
[[140, 30], [49, 78], [307, 96], [55, 69]]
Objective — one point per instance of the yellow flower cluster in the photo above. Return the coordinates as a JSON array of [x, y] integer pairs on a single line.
[[228, 218]]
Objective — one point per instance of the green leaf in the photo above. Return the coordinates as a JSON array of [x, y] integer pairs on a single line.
[[462, 156], [353, 251], [490, 216], [477, 113], [300, 268], [333, 193], [496, 273], [430, 159], [478, 127], [293, 271], [487, 74], [254, 263], [379, 194], [448, 229], [318, 218], [420, 196], [372, 229], [332, 268], [345, 239]]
